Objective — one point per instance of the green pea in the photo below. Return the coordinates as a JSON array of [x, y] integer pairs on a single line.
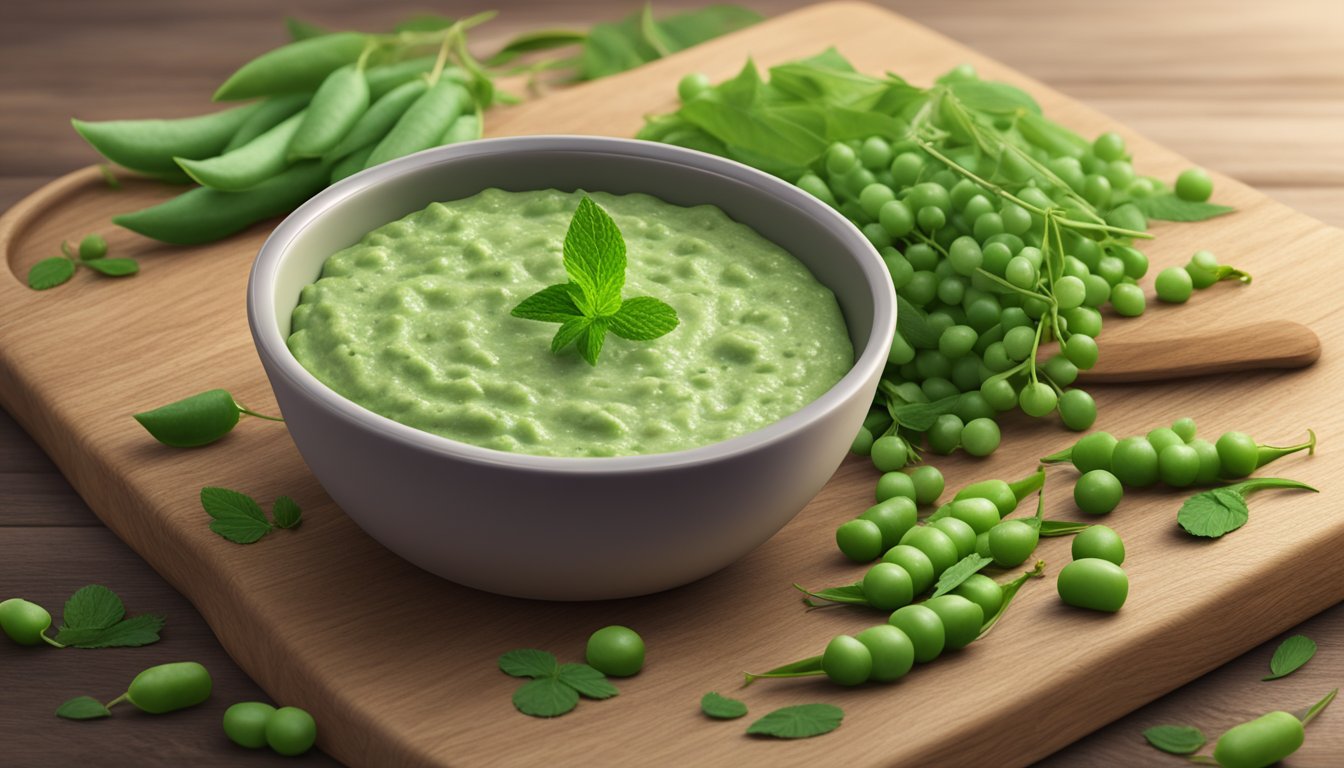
[[891, 650], [298, 67], [996, 491], [1184, 428], [1098, 541], [1011, 542], [1162, 437], [888, 586], [245, 723], [1109, 146], [1178, 465], [890, 453], [959, 532], [170, 687], [423, 123], [92, 247], [928, 483], [291, 731], [1134, 462], [1081, 350], [378, 119], [616, 651], [915, 563], [1173, 285], [924, 627], [961, 618], [25, 622], [982, 545], [983, 591], [1128, 300], [1077, 410], [1194, 185], [980, 437], [816, 187], [151, 146], [1093, 583], [980, 514], [1209, 463], [847, 661], [895, 484], [859, 540], [1261, 742], [692, 85], [1203, 266], [840, 159], [1238, 454], [945, 434], [1037, 399], [893, 518], [1097, 492], [1093, 451], [940, 548]]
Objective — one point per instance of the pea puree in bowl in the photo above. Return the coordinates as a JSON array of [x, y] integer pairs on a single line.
[[413, 323], [429, 324]]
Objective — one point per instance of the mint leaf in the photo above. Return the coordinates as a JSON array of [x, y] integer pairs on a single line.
[[545, 697], [529, 662], [128, 633], [798, 722], [1175, 739], [114, 267], [82, 708], [286, 513], [643, 318], [1290, 656], [920, 416], [1169, 207], [590, 342], [964, 569], [721, 707], [1220, 511], [49, 273], [552, 304], [237, 516], [587, 681], [569, 332], [92, 607], [594, 257]]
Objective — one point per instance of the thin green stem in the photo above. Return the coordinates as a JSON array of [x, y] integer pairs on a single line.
[[123, 697], [253, 413], [50, 641], [1000, 281]]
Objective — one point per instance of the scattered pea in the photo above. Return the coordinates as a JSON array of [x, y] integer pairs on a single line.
[[1093, 583], [616, 651]]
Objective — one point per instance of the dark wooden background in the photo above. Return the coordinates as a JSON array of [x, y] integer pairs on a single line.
[[1253, 89]]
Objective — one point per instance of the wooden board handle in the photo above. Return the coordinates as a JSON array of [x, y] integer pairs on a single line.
[[1273, 344]]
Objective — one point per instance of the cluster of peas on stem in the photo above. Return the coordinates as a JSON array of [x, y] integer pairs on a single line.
[[1173, 455]]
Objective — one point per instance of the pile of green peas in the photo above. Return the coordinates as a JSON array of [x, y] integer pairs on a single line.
[[289, 731], [1173, 455], [1094, 579]]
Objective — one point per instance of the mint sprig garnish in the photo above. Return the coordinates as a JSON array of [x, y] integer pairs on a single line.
[[590, 304]]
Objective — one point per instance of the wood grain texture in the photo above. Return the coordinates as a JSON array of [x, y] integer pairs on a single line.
[[1270, 344], [988, 28]]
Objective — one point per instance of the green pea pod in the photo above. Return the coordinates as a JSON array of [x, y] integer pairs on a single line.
[[299, 67], [149, 146], [384, 78], [424, 123], [204, 215], [464, 128], [374, 124], [250, 164], [170, 687], [192, 421], [25, 622], [351, 164], [338, 104], [269, 114]]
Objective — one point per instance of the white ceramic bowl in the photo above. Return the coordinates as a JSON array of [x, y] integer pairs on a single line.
[[569, 528]]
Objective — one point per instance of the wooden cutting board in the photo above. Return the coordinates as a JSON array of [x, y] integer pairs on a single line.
[[399, 666]]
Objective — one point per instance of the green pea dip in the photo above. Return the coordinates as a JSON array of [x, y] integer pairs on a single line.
[[413, 323]]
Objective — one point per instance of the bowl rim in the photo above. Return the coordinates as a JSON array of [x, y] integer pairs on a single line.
[[272, 347]]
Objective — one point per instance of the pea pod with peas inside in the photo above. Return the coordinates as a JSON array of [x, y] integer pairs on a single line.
[[151, 146], [249, 165], [298, 67], [336, 107], [374, 124], [269, 113], [424, 122]]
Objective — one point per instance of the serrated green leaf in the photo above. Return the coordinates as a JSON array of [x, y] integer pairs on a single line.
[[49, 273], [114, 267], [552, 304], [92, 607], [594, 256], [569, 332], [545, 697], [1219, 511], [1290, 656], [801, 721], [587, 681], [286, 513], [82, 708], [590, 342], [722, 707], [964, 569], [128, 633], [237, 516], [1175, 739], [1169, 207], [643, 318], [529, 662]]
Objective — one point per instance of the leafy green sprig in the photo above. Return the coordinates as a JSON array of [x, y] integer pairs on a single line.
[[240, 519], [555, 688], [92, 254], [1219, 511]]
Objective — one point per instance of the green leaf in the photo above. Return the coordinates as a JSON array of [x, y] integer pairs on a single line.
[[920, 416], [83, 708], [913, 325], [801, 721], [724, 114], [49, 273], [428, 22], [1220, 511], [590, 342], [286, 513], [92, 607], [301, 30], [1175, 739], [1010, 591], [587, 681], [114, 267], [643, 318], [537, 40], [529, 662], [618, 46], [569, 332], [552, 304], [1169, 207], [683, 30], [545, 697], [237, 516], [722, 707], [850, 594], [994, 98], [1290, 656], [594, 256], [965, 568], [1316, 709], [1060, 528], [133, 632]]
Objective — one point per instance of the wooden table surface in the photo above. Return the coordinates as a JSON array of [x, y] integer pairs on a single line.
[[1254, 90]]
